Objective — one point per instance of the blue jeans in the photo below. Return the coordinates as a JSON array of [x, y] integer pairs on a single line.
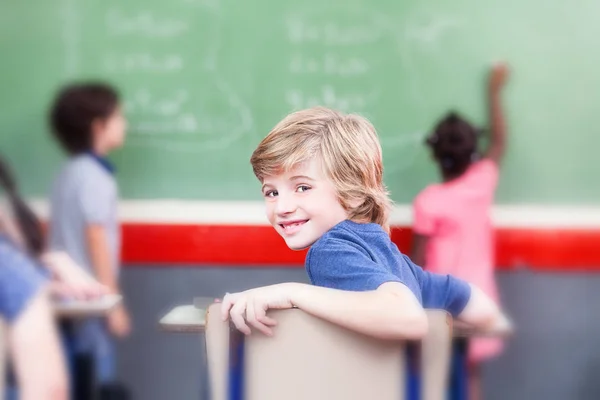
[[11, 393], [93, 337]]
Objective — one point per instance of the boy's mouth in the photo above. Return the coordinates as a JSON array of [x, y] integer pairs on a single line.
[[291, 227]]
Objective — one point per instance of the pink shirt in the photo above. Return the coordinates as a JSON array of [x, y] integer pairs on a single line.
[[455, 216]]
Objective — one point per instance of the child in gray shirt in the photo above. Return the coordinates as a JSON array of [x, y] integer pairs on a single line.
[[86, 120]]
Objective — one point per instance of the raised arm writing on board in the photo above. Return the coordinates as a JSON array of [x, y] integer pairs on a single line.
[[497, 146]]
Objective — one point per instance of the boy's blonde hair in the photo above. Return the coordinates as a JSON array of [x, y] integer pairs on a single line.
[[348, 148]]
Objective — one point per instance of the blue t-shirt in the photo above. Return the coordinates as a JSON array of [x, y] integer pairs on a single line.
[[20, 280], [361, 257]]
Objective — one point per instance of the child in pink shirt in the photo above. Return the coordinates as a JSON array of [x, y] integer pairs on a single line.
[[453, 233]]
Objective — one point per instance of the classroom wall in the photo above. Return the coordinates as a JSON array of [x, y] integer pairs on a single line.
[[554, 355]]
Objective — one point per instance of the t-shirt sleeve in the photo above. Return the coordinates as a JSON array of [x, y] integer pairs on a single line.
[[20, 281], [444, 292], [424, 215], [95, 200], [341, 264]]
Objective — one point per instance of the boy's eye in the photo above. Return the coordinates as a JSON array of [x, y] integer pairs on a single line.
[[302, 188], [271, 193]]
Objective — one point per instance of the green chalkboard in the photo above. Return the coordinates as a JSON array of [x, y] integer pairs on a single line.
[[205, 80]]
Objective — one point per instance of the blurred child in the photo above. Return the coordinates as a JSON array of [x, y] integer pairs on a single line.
[[322, 180], [20, 225], [86, 120], [452, 226], [32, 335], [25, 301], [22, 241]]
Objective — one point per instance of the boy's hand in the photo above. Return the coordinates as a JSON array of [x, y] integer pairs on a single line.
[[119, 323], [498, 76], [250, 307]]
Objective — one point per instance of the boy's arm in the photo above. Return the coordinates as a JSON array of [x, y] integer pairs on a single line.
[[349, 289], [497, 146], [466, 302], [99, 252], [389, 312], [97, 241], [482, 312]]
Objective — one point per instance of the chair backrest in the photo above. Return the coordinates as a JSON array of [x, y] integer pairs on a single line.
[[309, 358], [216, 334], [435, 356], [337, 363]]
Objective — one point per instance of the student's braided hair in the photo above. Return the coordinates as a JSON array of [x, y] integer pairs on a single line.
[[454, 144], [29, 224]]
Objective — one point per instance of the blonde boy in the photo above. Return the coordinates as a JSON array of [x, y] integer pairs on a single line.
[[322, 180]]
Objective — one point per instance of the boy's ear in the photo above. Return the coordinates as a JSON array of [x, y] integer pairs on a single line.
[[97, 126]]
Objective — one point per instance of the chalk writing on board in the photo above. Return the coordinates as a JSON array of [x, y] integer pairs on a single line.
[[302, 30], [143, 23], [337, 50], [184, 124], [143, 62], [214, 33], [328, 64], [172, 124], [328, 96], [177, 119], [201, 126], [432, 30], [142, 102]]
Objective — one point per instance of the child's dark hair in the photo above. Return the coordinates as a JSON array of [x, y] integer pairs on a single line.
[[454, 144], [75, 109], [30, 226]]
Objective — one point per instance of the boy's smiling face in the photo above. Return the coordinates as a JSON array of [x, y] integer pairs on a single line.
[[302, 204]]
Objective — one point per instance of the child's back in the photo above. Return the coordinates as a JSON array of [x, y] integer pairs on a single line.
[[453, 229], [455, 217]]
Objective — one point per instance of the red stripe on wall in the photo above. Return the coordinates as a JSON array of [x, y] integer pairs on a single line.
[[549, 250], [260, 246], [206, 244]]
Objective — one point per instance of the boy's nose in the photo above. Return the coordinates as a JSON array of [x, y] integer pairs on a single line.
[[286, 204]]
